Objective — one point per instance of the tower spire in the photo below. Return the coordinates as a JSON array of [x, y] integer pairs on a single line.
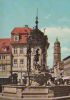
[[57, 52], [57, 40], [36, 19]]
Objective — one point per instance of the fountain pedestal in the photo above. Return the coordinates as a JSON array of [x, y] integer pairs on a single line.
[[27, 92]]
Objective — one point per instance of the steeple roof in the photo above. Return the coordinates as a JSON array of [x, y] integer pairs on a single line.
[[57, 41], [36, 32], [36, 19]]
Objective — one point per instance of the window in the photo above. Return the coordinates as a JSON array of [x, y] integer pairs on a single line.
[[21, 50], [0, 68], [3, 57], [3, 68], [4, 49], [15, 50], [25, 50], [15, 61], [35, 50], [16, 37], [0, 56], [21, 61]]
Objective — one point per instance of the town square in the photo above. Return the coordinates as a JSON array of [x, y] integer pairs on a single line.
[[34, 50]]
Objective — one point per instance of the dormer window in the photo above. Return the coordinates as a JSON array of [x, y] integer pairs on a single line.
[[16, 37], [4, 49]]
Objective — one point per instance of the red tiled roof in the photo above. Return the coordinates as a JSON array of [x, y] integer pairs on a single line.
[[23, 34], [5, 44], [22, 40], [21, 30]]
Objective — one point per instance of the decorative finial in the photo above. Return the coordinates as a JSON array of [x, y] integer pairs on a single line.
[[57, 39], [36, 19]]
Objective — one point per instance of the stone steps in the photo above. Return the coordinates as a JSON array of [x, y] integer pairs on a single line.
[[35, 93], [17, 98]]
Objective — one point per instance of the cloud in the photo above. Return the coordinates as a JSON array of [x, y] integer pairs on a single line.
[[63, 34], [64, 49]]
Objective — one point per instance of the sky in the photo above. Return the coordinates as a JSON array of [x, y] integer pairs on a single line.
[[54, 17]]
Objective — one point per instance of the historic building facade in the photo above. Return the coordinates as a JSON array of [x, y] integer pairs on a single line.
[[5, 57], [19, 38], [66, 62], [29, 50], [26, 51], [57, 63], [57, 52]]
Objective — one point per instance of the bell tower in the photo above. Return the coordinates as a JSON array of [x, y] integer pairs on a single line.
[[57, 52]]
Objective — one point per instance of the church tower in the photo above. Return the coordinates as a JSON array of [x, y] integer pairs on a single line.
[[57, 52]]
